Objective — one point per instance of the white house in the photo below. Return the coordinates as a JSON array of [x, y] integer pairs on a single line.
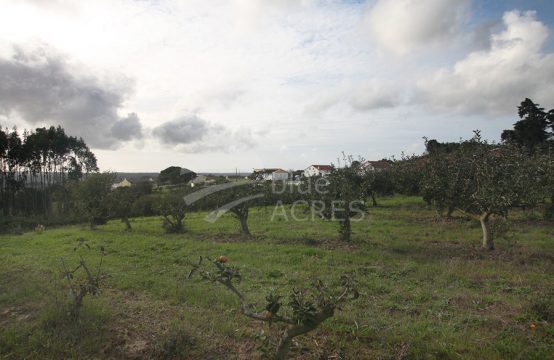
[[123, 184], [317, 170], [279, 175], [376, 165], [271, 174], [198, 180], [202, 180]]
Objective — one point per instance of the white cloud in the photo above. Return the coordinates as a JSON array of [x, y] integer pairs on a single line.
[[212, 97], [250, 14], [376, 95], [495, 81], [400, 26], [362, 95], [287, 77]]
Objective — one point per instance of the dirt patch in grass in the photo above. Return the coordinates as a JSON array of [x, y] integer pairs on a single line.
[[437, 250], [531, 222], [138, 324], [19, 314], [454, 221], [323, 243], [495, 312], [145, 327], [541, 256], [514, 253], [327, 244], [231, 238]]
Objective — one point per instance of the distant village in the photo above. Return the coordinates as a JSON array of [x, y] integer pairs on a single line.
[[176, 175]]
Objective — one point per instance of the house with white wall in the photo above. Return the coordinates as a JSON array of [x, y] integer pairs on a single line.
[[317, 170], [273, 174], [123, 184], [376, 165]]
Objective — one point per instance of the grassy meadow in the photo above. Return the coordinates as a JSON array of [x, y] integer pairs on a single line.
[[428, 291]]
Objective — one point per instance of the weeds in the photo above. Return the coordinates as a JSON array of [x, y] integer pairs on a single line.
[[81, 286], [177, 344]]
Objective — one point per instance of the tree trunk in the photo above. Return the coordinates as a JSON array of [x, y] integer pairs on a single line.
[[286, 340], [449, 212], [125, 220], [487, 234], [345, 229], [549, 210], [374, 200], [179, 225], [284, 346], [241, 213], [428, 201], [76, 310], [244, 225]]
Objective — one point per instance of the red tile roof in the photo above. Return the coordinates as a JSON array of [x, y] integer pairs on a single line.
[[323, 167]]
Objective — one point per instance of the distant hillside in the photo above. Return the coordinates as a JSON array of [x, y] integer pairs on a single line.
[[154, 176], [137, 176], [225, 174]]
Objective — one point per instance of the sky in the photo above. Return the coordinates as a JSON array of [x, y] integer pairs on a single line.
[[226, 85]]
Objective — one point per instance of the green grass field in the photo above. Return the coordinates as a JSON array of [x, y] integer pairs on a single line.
[[427, 289]]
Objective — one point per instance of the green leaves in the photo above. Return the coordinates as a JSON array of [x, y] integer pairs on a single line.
[[222, 273], [91, 196], [479, 177], [273, 303], [303, 308], [343, 196], [173, 208], [485, 179], [532, 130]]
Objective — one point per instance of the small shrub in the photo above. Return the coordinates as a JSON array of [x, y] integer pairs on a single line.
[[173, 209], [305, 310], [86, 284]]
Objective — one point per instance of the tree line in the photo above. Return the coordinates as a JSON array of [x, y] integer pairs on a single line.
[[478, 179], [487, 180], [35, 166]]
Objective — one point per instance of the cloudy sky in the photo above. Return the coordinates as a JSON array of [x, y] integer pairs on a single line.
[[224, 84]]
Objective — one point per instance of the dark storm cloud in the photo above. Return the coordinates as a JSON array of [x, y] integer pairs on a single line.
[[195, 135], [40, 88], [184, 130], [127, 128]]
